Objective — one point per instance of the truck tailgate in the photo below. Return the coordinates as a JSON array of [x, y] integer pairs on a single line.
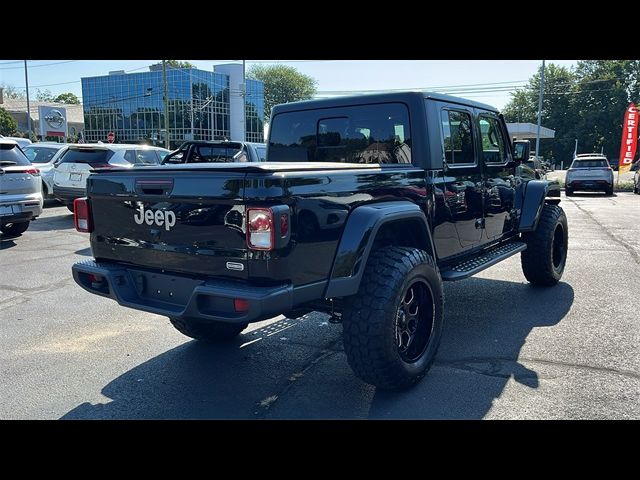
[[172, 219]]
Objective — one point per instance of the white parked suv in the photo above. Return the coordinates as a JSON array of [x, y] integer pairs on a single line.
[[20, 189], [43, 155], [74, 166]]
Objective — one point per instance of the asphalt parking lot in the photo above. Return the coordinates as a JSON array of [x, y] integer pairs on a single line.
[[509, 351]]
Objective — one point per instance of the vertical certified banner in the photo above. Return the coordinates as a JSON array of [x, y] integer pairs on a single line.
[[629, 139]]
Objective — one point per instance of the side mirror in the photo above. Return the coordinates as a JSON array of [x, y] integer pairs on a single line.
[[521, 150]]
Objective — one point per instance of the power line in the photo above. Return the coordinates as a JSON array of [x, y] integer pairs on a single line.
[[43, 65]]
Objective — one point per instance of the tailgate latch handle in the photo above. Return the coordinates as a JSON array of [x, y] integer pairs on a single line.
[[154, 186]]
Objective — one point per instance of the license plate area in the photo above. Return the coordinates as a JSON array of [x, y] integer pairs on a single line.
[[163, 288], [75, 177], [10, 209]]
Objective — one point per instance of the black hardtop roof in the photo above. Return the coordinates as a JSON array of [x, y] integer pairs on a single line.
[[408, 97]]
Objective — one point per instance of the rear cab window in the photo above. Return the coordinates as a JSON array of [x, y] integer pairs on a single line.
[[11, 155], [217, 153], [90, 156], [374, 133]]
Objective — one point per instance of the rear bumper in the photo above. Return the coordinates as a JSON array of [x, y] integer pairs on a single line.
[[595, 184], [182, 296], [68, 194], [24, 207]]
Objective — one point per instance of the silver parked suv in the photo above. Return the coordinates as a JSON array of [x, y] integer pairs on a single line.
[[589, 172], [20, 189]]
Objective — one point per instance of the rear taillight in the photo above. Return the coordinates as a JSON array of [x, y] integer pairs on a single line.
[[260, 229], [29, 171], [82, 215]]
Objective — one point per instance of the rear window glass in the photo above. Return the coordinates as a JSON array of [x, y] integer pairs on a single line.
[[146, 157], [39, 154], [214, 154], [360, 134], [86, 155], [231, 152], [589, 163], [11, 155]]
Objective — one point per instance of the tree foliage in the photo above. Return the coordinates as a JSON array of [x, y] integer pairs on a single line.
[[68, 98], [585, 103], [8, 125], [9, 91], [282, 84], [44, 95], [179, 64]]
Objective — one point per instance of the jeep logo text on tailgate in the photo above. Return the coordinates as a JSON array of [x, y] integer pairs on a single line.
[[160, 217]]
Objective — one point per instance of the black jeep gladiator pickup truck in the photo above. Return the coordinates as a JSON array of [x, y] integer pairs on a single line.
[[364, 206]]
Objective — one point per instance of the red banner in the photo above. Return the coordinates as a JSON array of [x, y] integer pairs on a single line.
[[629, 139]]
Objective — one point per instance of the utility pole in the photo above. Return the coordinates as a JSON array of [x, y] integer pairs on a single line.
[[540, 110], [26, 81], [166, 104], [244, 101]]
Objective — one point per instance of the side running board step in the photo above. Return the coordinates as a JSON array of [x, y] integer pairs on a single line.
[[467, 268]]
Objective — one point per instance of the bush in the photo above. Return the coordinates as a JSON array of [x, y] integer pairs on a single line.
[[8, 125]]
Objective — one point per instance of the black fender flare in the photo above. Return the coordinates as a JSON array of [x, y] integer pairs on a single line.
[[358, 237], [532, 198]]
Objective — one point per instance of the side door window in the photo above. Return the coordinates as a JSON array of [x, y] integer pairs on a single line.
[[457, 138], [494, 150]]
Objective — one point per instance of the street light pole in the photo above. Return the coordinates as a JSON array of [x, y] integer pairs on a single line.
[[166, 104], [540, 111], [26, 81]]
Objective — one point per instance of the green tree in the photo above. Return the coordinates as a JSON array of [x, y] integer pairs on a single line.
[[586, 103], [179, 64], [8, 125], [68, 98], [557, 109], [606, 87], [9, 91], [44, 95], [282, 84]]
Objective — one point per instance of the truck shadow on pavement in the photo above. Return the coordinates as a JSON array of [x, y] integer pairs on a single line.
[[297, 368]]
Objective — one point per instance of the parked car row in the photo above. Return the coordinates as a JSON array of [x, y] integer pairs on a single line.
[[75, 164], [32, 172]]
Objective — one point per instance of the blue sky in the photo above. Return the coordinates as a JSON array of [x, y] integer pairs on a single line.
[[488, 81]]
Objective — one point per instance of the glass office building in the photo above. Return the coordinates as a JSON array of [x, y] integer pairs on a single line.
[[199, 107]]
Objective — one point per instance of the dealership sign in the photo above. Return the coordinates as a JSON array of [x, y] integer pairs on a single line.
[[629, 139], [53, 121]]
